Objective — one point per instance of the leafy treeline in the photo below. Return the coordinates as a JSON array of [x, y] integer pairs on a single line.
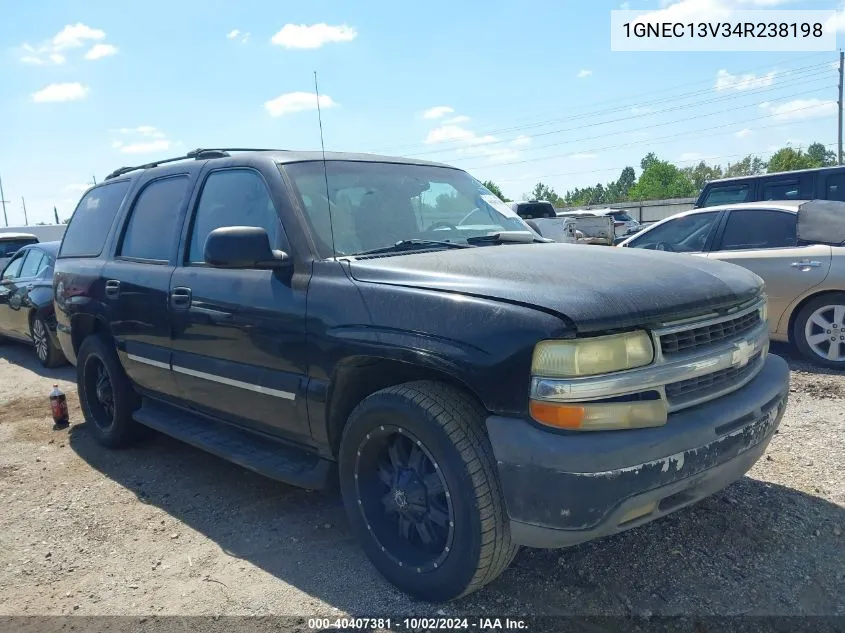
[[660, 179]]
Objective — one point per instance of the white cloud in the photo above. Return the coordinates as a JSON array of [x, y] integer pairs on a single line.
[[584, 73], [98, 51], [314, 36], [522, 140], [836, 23], [143, 139], [437, 112], [145, 147], [473, 144], [691, 156], [76, 188], [297, 102], [706, 10], [800, 109], [583, 156], [456, 120], [743, 133], [73, 36], [60, 92], [70, 37], [727, 81], [236, 34]]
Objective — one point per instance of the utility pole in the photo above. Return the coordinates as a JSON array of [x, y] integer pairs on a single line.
[[3, 201], [841, 64], [95, 178], [25, 219]]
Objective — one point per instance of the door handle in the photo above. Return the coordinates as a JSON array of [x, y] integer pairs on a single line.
[[29, 287], [112, 288], [180, 298], [806, 264]]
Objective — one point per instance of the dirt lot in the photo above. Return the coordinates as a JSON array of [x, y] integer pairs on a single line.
[[166, 529]]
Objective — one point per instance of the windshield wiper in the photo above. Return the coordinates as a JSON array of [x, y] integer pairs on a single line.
[[410, 245], [504, 237]]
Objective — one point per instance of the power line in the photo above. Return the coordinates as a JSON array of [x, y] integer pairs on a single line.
[[596, 171], [628, 118], [650, 95], [670, 136]]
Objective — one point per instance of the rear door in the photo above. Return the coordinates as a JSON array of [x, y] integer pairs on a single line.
[[239, 335], [137, 281], [764, 241], [34, 262]]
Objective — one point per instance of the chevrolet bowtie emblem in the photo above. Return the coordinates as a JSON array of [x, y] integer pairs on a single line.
[[742, 353]]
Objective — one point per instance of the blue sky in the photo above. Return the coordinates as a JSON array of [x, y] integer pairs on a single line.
[[515, 91]]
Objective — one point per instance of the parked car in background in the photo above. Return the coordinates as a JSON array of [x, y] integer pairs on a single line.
[[623, 223], [540, 215], [11, 242], [591, 228], [26, 301], [822, 183], [796, 247], [471, 386]]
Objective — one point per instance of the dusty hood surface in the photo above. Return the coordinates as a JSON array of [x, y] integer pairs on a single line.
[[597, 287]]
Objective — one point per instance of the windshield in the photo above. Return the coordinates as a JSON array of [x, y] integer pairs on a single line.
[[375, 205]]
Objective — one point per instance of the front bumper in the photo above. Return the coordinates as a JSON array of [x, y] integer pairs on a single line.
[[566, 488]]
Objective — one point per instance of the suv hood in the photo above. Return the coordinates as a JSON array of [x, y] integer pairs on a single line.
[[597, 288]]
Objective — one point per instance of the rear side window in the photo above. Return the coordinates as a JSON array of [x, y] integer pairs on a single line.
[[32, 263], [726, 194], [758, 228], [86, 234], [835, 187], [782, 190], [152, 227]]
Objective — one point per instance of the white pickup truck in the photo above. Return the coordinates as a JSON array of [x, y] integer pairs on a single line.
[[576, 228]]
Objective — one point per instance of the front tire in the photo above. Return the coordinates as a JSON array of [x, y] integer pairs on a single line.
[[421, 489], [106, 395], [819, 330], [46, 351]]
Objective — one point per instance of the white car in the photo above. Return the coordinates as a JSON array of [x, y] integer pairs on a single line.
[[11, 243], [623, 223]]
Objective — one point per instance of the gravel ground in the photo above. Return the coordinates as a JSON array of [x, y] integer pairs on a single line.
[[164, 529]]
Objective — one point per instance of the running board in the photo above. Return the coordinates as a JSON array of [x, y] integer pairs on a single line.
[[258, 453]]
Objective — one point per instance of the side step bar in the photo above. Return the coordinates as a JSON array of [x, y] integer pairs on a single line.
[[255, 452]]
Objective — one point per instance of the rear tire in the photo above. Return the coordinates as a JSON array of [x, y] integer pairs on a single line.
[[436, 526], [106, 395], [46, 351], [819, 330]]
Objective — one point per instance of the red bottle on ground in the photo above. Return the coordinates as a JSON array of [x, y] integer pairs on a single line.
[[58, 405]]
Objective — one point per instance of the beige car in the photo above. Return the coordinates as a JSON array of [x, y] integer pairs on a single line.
[[795, 246]]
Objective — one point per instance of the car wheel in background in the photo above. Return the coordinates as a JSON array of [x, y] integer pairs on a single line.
[[819, 330], [46, 350]]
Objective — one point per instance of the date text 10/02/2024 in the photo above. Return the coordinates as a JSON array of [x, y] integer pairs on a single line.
[[416, 624]]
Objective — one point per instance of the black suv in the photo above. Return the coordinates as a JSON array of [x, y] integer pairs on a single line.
[[392, 325]]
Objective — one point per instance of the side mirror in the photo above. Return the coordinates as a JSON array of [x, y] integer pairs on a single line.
[[242, 247]]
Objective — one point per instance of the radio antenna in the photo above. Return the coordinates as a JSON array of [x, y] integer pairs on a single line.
[[325, 169]]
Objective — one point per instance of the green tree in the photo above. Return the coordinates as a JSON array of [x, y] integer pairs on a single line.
[[821, 156], [494, 189], [544, 192], [648, 160], [660, 180], [748, 166], [702, 173], [789, 159]]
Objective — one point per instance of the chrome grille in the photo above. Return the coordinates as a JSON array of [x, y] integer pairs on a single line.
[[696, 337], [679, 393]]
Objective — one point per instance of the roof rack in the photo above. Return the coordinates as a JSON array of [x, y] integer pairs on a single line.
[[197, 154]]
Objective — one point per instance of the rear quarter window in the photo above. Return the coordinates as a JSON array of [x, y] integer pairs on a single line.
[[91, 221]]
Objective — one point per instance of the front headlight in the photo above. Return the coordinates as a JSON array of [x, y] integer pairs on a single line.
[[591, 356]]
